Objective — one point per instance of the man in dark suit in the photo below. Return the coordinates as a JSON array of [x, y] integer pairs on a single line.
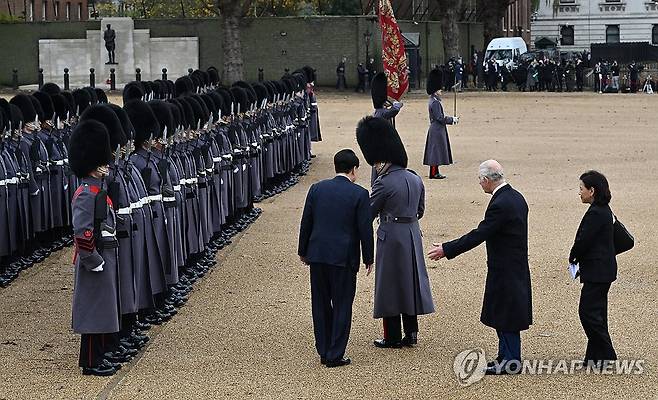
[[507, 305], [335, 223]]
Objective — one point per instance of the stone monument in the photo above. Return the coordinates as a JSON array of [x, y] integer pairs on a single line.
[[130, 49]]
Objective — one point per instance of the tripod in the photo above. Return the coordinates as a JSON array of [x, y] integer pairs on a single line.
[[647, 86]]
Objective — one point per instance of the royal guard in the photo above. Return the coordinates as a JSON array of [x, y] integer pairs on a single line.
[[96, 310], [437, 146], [402, 286]]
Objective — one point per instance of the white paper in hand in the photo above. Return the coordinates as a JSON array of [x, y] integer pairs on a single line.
[[574, 270]]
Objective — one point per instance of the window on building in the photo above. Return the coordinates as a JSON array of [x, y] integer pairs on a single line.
[[612, 34], [79, 11], [56, 9], [566, 35], [68, 11], [30, 12], [44, 8]]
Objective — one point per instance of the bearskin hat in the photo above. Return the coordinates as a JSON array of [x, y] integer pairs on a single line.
[[46, 104], [434, 81], [51, 89], [188, 112], [92, 95], [210, 104], [61, 106], [133, 91], [310, 74], [213, 74], [261, 92], [37, 107], [24, 104], [106, 116], [143, 120], [70, 101], [102, 97], [380, 142], [176, 113], [218, 99], [240, 98], [163, 114], [16, 116], [126, 125], [82, 100], [184, 86], [89, 147], [378, 90], [198, 110]]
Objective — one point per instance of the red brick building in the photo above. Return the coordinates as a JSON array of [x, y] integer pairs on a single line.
[[46, 10], [516, 21]]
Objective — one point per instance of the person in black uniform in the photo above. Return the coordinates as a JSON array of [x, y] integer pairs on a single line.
[[594, 252], [362, 72], [340, 75]]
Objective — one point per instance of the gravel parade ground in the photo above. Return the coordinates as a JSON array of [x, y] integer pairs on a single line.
[[246, 331]]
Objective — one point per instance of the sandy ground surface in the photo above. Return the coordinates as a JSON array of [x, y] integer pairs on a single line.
[[246, 331]]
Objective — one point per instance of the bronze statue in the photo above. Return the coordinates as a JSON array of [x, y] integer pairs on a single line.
[[109, 36]]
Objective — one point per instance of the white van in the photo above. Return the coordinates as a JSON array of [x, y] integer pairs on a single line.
[[506, 49]]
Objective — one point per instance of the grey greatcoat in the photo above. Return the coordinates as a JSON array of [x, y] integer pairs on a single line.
[[437, 146], [95, 294], [401, 282]]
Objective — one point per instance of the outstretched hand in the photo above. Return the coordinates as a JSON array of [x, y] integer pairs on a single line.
[[369, 268], [437, 252]]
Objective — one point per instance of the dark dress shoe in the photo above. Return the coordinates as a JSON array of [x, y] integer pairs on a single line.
[[501, 370], [410, 340], [338, 363], [323, 361], [109, 364], [98, 371], [495, 362], [387, 344], [438, 176]]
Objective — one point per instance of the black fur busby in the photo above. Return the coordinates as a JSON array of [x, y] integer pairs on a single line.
[[143, 120], [46, 104], [214, 75], [227, 98], [380, 142], [171, 88], [102, 97], [16, 116], [51, 89], [183, 86], [163, 114], [218, 99], [261, 92], [68, 96], [200, 113], [310, 74], [434, 81], [126, 125], [176, 112], [61, 106], [133, 91], [106, 116], [378, 90], [37, 107], [188, 112], [210, 104], [24, 104], [82, 100], [249, 91], [240, 98], [89, 147], [92, 95]]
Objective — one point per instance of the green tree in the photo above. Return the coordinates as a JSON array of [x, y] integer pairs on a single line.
[[345, 7]]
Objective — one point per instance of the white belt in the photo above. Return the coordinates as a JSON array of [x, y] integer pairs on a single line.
[[12, 181], [168, 199], [216, 159], [125, 210], [314, 104], [3, 182], [66, 160], [136, 205], [208, 170], [176, 188], [202, 173], [193, 180], [59, 163], [228, 157], [107, 234], [183, 181], [155, 197]]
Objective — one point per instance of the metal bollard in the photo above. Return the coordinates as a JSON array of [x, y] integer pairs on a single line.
[[261, 75], [164, 74], [92, 77], [286, 71], [113, 79], [189, 71], [66, 79], [138, 74], [40, 78], [14, 79]]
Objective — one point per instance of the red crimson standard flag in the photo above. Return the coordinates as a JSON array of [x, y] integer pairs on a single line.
[[394, 56]]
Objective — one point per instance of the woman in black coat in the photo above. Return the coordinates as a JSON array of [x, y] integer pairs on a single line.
[[594, 251]]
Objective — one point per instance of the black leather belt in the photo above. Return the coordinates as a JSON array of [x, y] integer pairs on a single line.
[[384, 219]]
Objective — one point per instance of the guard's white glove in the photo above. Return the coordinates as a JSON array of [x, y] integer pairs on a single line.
[[99, 268], [455, 120], [397, 104]]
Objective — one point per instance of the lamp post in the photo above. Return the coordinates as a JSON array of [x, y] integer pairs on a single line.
[[366, 36]]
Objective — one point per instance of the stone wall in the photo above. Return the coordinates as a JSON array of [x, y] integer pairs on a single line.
[[269, 43]]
